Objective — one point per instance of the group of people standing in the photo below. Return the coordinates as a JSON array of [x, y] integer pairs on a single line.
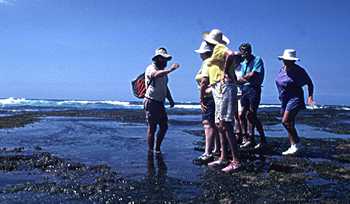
[[230, 92]]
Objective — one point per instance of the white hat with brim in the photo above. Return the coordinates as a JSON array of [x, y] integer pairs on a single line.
[[204, 48], [215, 37], [163, 53], [289, 54]]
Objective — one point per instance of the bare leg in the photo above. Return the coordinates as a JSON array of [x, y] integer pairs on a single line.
[[251, 125], [163, 127], [243, 121], [216, 138], [260, 129], [209, 137], [254, 122], [223, 141], [288, 122], [228, 128], [238, 128], [152, 127]]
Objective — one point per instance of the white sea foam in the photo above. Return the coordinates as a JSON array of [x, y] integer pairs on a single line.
[[15, 102], [85, 102], [99, 103], [187, 106], [42, 103], [269, 106], [12, 101]]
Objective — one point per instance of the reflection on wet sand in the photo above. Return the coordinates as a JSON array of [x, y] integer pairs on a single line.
[[157, 175], [158, 184]]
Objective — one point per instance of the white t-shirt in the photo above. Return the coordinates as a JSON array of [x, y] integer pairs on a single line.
[[239, 73], [157, 89]]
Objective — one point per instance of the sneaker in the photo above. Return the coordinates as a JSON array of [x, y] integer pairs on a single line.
[[246, 144], [232, 166], [293, 149], [205, 157], [260, 146], [218, 162]]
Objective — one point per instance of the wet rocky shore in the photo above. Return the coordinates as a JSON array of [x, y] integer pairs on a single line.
[[320, 174]]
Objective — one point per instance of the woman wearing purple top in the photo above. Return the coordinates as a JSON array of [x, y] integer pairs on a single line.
[[290, 81]]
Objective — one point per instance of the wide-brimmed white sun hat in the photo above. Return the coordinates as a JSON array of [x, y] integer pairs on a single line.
[[161, 52], [289, 54], [215, 37], [203, 48]]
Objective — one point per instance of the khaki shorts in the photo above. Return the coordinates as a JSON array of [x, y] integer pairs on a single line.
[[225, 97]]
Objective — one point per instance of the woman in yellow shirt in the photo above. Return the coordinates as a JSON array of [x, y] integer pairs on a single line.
[[219, 74]]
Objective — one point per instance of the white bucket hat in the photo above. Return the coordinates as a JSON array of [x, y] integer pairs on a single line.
[[289, 54], [204, 48], [215, 37], [161, 52]]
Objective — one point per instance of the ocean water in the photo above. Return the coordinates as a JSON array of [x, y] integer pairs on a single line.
[[22, 104]]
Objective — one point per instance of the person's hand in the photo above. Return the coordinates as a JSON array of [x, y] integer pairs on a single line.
[[241, 80], [310, 101], [174, 66], [172, 104], [203, 106]]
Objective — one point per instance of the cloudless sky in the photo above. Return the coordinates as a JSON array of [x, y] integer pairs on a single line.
[[92, 49]]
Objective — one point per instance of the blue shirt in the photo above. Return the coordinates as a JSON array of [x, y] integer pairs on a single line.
[[290, 83], [254, 65]]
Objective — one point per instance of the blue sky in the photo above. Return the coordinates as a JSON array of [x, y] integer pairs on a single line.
[[91, 49]]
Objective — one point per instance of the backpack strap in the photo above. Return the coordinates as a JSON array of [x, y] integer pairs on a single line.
[[150, 81]]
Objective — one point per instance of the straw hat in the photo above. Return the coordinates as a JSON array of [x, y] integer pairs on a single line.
[[289, 54], [204, 48], [161, 52], [215, 37]]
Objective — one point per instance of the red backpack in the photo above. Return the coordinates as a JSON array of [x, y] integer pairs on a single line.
[[138, 86]]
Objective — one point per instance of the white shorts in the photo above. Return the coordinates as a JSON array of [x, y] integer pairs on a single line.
[[225, 97]]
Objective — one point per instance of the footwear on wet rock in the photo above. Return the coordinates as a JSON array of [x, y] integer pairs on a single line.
[[218, 162], [293, 149], [247, 144], [232, 166], [260, 146], [205, 157]]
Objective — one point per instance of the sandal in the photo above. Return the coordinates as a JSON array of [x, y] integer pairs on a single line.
[[231, 167], [218, 162]]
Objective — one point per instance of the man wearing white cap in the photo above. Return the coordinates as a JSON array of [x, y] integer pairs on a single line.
[[290, 81], [156, 93]]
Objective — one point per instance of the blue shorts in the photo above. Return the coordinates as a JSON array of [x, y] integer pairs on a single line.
[[209, 114], [155, 111], [251, 97], [293, 104]]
